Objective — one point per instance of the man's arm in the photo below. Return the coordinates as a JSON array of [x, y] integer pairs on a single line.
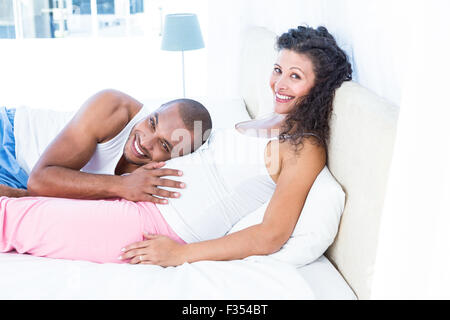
[[57, 173]]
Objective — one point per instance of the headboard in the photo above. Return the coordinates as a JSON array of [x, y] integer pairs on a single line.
[[363, 129]]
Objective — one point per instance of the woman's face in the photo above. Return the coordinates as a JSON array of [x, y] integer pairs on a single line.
[[292, 78]]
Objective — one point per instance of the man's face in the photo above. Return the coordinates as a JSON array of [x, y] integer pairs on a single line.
[[159, 137]]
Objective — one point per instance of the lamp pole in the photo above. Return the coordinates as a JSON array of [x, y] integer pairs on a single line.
[[182, 33], [182, 67]]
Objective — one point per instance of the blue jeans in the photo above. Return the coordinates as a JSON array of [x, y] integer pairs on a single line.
[[11, 174]]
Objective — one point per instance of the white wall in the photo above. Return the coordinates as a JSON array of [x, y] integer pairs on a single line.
[[374, 32], [226, 23], [62, 73], [413, 259]]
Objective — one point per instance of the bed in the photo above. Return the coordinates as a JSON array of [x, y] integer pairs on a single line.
[[340, 270], [24, 276]]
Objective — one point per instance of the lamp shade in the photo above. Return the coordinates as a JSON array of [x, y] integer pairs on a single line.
[[182, 33]]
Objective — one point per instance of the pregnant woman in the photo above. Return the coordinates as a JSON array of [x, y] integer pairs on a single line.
[[276, 158]]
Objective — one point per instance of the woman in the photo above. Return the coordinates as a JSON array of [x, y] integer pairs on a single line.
[[309, 68]]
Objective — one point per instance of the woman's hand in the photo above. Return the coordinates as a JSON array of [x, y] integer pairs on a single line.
[[156, 249]]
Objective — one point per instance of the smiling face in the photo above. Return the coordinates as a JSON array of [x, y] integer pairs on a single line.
[[154, 138], [292, 78]]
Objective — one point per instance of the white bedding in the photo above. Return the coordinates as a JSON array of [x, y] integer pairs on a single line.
[[325, 281], [29, 277]]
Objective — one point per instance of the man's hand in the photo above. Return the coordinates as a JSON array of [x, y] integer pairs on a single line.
[[143, 184], [12, 192]]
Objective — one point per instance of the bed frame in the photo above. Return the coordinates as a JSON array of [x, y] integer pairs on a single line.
[[363, 132]]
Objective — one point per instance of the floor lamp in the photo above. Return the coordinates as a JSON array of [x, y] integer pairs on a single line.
[[182, 33]]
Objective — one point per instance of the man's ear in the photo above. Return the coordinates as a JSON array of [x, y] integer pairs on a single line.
[[199, 134], [206, 135], [180, 149]]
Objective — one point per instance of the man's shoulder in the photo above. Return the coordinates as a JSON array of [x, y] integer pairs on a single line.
[[115, 99], [111, 110], [113, 102]]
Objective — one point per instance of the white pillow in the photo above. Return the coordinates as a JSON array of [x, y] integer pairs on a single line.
[[225, 113], [317, 225]]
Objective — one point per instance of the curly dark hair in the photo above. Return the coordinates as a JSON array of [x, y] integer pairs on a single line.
[[311, 115]]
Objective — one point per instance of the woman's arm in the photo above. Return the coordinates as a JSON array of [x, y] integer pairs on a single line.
[[297, 174]]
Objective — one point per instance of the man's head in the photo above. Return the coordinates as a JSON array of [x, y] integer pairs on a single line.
[[175, 129]]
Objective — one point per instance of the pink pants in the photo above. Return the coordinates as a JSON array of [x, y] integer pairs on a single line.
[[92, 230]]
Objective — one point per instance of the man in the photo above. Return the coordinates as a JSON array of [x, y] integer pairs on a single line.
[[112, 147]]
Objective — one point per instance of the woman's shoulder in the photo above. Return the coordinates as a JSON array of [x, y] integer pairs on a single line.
[[310, 149]]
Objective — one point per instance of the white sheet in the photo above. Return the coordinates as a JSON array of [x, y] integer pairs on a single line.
[[325, 281], [28, 277]]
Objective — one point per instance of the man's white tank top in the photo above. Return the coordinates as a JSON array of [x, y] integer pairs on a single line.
[[34, 130], [226, 179]]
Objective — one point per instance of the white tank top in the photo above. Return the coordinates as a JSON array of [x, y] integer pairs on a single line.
[[35, 129], [108, 154], [226, 179]]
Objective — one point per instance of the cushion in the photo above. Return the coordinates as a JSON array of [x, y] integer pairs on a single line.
[[362, 139], [317, 225], [225, 113]]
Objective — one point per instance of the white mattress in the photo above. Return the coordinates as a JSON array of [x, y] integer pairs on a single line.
[[28, 277]]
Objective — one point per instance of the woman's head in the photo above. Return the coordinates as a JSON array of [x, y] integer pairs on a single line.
[[309, 69], [292, 78]]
